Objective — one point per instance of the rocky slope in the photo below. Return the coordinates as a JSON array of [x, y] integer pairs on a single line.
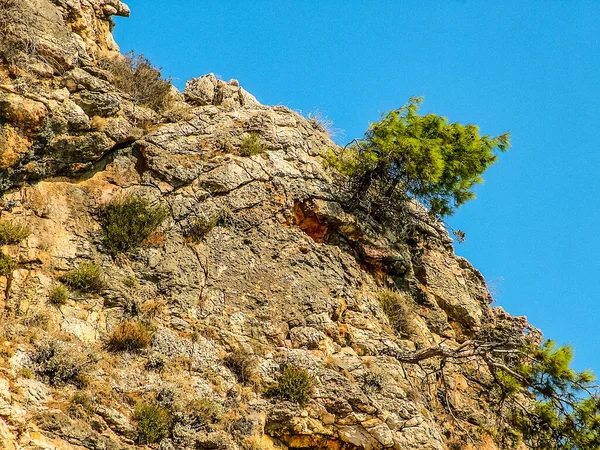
[[282, 274]]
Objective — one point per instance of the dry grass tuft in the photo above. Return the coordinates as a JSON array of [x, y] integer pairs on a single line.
[[129, 336]]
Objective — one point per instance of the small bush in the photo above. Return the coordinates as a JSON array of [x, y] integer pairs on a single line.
[[243, 365], [153, 422], [59, 295], [201, 226], [203, 412], [7, 265], [57, 362], [26, 372], [88, 277], [399, 312], [156, 362], [294, 384], [12, 233], [127, 221], [136, 76], [82, 405], [251, 145], [129, 337], [373, 380]]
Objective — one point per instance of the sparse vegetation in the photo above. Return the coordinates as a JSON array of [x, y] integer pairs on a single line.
[[321, 122], [294, 384], [7, 265], [57, 362], [59, 295], [12, 233], [202, 225], [398, 310], [243, 365], [153, 422], [26, 372], [251, 145], [373, 380], [135, 75], [129, 336], [128, 220], [82, 405], [88, 277], [203, 412]]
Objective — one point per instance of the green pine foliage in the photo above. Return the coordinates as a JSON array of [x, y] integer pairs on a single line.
[[424, 157], [128, 220], [566, 406]]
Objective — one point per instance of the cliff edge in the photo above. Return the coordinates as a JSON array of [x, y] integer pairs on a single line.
[[257, 272]]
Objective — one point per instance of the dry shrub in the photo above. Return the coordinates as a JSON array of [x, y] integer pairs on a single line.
[[399, 310], [203, 412], [16, 28], [129, 336], [157, 239], [57, 362], [320, 121], [135, 75], [154, 308], [243, 365]]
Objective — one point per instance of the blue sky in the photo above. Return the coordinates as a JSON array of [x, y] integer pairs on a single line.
[[529, 67]]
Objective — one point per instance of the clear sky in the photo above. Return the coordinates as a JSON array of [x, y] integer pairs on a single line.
[[531, 67]]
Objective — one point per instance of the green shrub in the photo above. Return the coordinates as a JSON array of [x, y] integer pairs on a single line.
[[251, 145], [294, 384], [7, 265], [57, 362], [26, 372], [153, 422], [136, 76], [88, 277], [12, 233], [399, 312], [59, 295], [127, 221], [203, 411], [201, 226], [129, 337]]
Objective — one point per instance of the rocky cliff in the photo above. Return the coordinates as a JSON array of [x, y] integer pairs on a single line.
[[257, 272]]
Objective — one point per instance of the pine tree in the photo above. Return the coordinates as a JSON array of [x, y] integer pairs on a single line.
[[424, 157]]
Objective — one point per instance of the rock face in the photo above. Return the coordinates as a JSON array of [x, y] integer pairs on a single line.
[[285, 275]]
